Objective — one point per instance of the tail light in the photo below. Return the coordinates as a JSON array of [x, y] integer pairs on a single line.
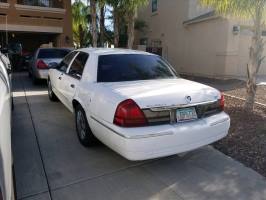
[[128, 114], [222, 101], [41, 64]]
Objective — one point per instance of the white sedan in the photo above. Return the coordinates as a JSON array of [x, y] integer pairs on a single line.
[[135, 103], [6, 161]]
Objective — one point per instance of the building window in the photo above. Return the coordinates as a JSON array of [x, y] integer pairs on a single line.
[[154, 5]]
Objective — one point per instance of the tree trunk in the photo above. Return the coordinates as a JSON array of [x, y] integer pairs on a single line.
[[81, 36], [255, 60], [131, 29], [102, 25], [116, 28], [93, 22]]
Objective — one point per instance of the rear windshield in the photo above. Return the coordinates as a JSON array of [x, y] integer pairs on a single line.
[[132, 67], [53, 53]]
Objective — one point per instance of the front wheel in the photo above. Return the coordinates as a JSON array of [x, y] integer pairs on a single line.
[[51, 94], [84, 132]]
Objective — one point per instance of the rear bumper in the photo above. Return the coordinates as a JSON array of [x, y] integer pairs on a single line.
[[159, 141], [41, 73]]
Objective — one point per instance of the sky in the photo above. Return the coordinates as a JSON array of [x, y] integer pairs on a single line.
[[84, 1]]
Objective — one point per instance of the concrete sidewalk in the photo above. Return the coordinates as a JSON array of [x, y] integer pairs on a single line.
[[51, 164]]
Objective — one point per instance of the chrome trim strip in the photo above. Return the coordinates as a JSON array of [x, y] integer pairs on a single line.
[[152, 135], [164, 108], [134, 137], [219, 121]]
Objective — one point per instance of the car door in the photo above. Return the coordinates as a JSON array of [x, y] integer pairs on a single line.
[[6, 181], [73, 76], [57, 75]]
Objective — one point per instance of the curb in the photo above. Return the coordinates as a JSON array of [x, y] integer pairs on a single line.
[[242, 99]]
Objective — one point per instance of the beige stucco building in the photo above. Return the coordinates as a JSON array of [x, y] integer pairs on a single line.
[[194, 39], [36, 22]]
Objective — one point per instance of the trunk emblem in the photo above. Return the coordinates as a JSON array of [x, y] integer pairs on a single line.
[[188, 99]]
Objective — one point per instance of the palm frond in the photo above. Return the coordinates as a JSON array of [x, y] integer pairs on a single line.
[[243, 9]]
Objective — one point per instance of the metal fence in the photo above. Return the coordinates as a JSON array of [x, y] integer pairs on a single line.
[[155, 50], [42, 3]]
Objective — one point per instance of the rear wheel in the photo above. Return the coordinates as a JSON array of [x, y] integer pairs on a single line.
[[84, 132], [51, 94]]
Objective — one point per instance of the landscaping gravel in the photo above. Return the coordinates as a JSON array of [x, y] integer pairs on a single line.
[[246, 141]]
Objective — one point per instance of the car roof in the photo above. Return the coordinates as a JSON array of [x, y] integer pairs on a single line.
[[55, 48], [107, 51]]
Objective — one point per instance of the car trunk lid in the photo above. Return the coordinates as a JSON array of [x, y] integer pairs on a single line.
[[164, 93]]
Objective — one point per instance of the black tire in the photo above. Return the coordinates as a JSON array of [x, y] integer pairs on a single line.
[[51, 94], [12, 103], [84, 132]]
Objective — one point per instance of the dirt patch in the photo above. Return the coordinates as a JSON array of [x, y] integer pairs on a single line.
[[246, 141]]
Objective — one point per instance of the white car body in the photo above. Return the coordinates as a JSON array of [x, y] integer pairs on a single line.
[[5, 64], [6, 161], [100, 100]]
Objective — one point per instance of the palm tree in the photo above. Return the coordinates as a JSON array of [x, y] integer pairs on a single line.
[[81, 34], [102, 24], [131, 8], [117, 15], [246, 9], [102, 4], [93, 22]]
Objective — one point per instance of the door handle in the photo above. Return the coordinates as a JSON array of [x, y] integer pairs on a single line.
[[72, 85], [60, 78]]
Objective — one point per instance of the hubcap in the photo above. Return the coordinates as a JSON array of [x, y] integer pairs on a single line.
[[81, 125]]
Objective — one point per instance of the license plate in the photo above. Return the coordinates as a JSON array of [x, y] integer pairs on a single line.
[[186, 114]]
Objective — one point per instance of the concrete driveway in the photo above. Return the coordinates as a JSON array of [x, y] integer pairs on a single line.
[[51, 164]]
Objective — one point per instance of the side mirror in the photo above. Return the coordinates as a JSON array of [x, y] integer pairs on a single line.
[[53, 65], [78, 76], [9, 70]]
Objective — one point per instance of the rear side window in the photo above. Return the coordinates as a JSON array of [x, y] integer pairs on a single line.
[[132, 67], [53, 53], [66, 61], [78, 65]]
